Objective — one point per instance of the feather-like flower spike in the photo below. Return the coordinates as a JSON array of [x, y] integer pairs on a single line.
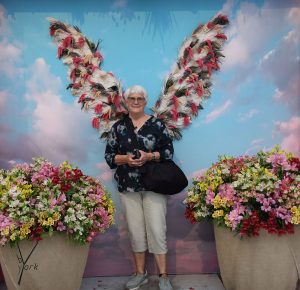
[[89, 83], [183, 93], [190, 77]]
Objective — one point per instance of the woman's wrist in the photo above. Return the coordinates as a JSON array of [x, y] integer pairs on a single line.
[[152, 156]]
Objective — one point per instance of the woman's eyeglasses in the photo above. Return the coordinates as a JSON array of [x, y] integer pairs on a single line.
[[138, 99]]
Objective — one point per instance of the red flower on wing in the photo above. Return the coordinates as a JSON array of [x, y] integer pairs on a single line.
[[174, 114], [194, 108], [98, 108], [98, 55], [52, 30], [210, 25], [67, 41], [73, 75], [59, 51], [77, 61], [186, 121], [96, 123], [175, 102], [82, 98], [199, 91], [220, 35], [80, 42]]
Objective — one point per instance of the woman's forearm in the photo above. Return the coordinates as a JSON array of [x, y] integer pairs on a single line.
[[121, 159]]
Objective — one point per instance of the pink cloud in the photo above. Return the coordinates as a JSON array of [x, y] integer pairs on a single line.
[[281, 66], [14, 146], [3, 97], [60, 130], [257, 141], [247, 116], [120, 4], [9, 57], [4, 27], [102, 165], [294, 16], [106, 174], [11, 51], [217, 112], [227, 7], [291, 134], [202, 260], [185, 238], [250, 31]]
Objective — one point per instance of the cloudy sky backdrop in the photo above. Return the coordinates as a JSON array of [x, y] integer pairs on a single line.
[[255, 102]]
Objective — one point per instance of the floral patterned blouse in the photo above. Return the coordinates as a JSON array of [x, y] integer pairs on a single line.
[[152, 136]]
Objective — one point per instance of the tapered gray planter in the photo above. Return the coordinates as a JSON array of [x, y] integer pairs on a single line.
[[53, 263], [259, 263]]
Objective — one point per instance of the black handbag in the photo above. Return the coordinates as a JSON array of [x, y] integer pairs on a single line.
[[162, 177]]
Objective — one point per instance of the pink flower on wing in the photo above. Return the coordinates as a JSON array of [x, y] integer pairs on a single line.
[[210, 195]]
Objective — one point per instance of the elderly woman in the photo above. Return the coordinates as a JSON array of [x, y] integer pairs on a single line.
[[145, 211]]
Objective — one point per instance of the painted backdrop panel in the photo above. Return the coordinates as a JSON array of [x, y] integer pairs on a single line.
[[255, 102]]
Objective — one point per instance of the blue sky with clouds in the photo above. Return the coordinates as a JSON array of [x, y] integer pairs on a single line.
[[255, 101], [255, 98]]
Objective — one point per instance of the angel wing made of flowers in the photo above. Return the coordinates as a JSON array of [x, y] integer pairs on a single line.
[[186, 87]]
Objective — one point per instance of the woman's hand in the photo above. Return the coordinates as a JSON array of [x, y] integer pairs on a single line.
[[140, 161]]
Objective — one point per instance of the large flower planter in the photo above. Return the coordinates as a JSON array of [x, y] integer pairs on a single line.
[[259, 263], [52, 263]]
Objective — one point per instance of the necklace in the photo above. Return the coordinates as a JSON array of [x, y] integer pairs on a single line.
[[140, 122]]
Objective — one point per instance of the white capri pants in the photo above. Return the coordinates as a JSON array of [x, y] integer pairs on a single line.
[[145, 212]]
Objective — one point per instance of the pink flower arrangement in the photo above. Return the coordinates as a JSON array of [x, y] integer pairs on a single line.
[[247, 194], [39, 198]]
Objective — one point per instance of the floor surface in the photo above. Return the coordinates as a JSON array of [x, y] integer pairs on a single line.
[[179, 282]]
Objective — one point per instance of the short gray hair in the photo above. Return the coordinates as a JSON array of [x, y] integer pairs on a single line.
[[136, 90]]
